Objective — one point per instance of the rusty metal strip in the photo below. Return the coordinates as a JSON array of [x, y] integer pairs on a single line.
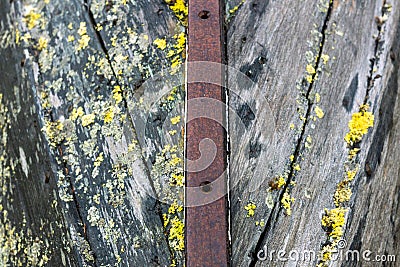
[[205, 194]]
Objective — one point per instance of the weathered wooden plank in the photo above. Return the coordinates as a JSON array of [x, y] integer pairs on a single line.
[[99, 182], [269, 47], [84, 78], [33, 229], [320, 149], [324, 164]]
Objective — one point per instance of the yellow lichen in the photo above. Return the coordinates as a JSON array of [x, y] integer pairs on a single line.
[[250, 207], [180, 44], [334, 221], [175, 207], [17, 36], [108, 115], [175, 160], [87, 119], [42, 43], [82, 29], [342, 194], [176, 119], [117, 94], [310, 69], [325, 254], [296, 167], [359, 124], [260, 223], [70, 38], [235, 8], [99, 160], [83, 42], [317, 98], [160, 43], [76, 113], [176, 179], [179, 8], [176, 234], [281, 182], [53, 132], [353, 152], [319, 112], [172, 132], [165, 219], [351, 174], [286, 202], [324, 58], [31, 19], [132, 146]]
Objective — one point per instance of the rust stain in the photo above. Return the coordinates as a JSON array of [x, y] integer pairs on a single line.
[[206, 224]]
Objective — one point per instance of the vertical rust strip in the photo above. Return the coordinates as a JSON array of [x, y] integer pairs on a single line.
[[206, 214]]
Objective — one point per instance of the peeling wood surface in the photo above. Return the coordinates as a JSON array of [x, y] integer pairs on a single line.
[[91, 177]]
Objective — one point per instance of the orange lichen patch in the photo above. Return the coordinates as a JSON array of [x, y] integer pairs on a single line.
[[359, 124]]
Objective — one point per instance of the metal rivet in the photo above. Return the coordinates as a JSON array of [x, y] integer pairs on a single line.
[[204, 14]]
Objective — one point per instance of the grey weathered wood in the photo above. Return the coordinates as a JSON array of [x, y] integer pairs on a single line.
[[281, 38], [106, 215]]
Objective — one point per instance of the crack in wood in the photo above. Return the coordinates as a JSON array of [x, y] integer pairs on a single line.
[[276, 210], [374, 60]]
